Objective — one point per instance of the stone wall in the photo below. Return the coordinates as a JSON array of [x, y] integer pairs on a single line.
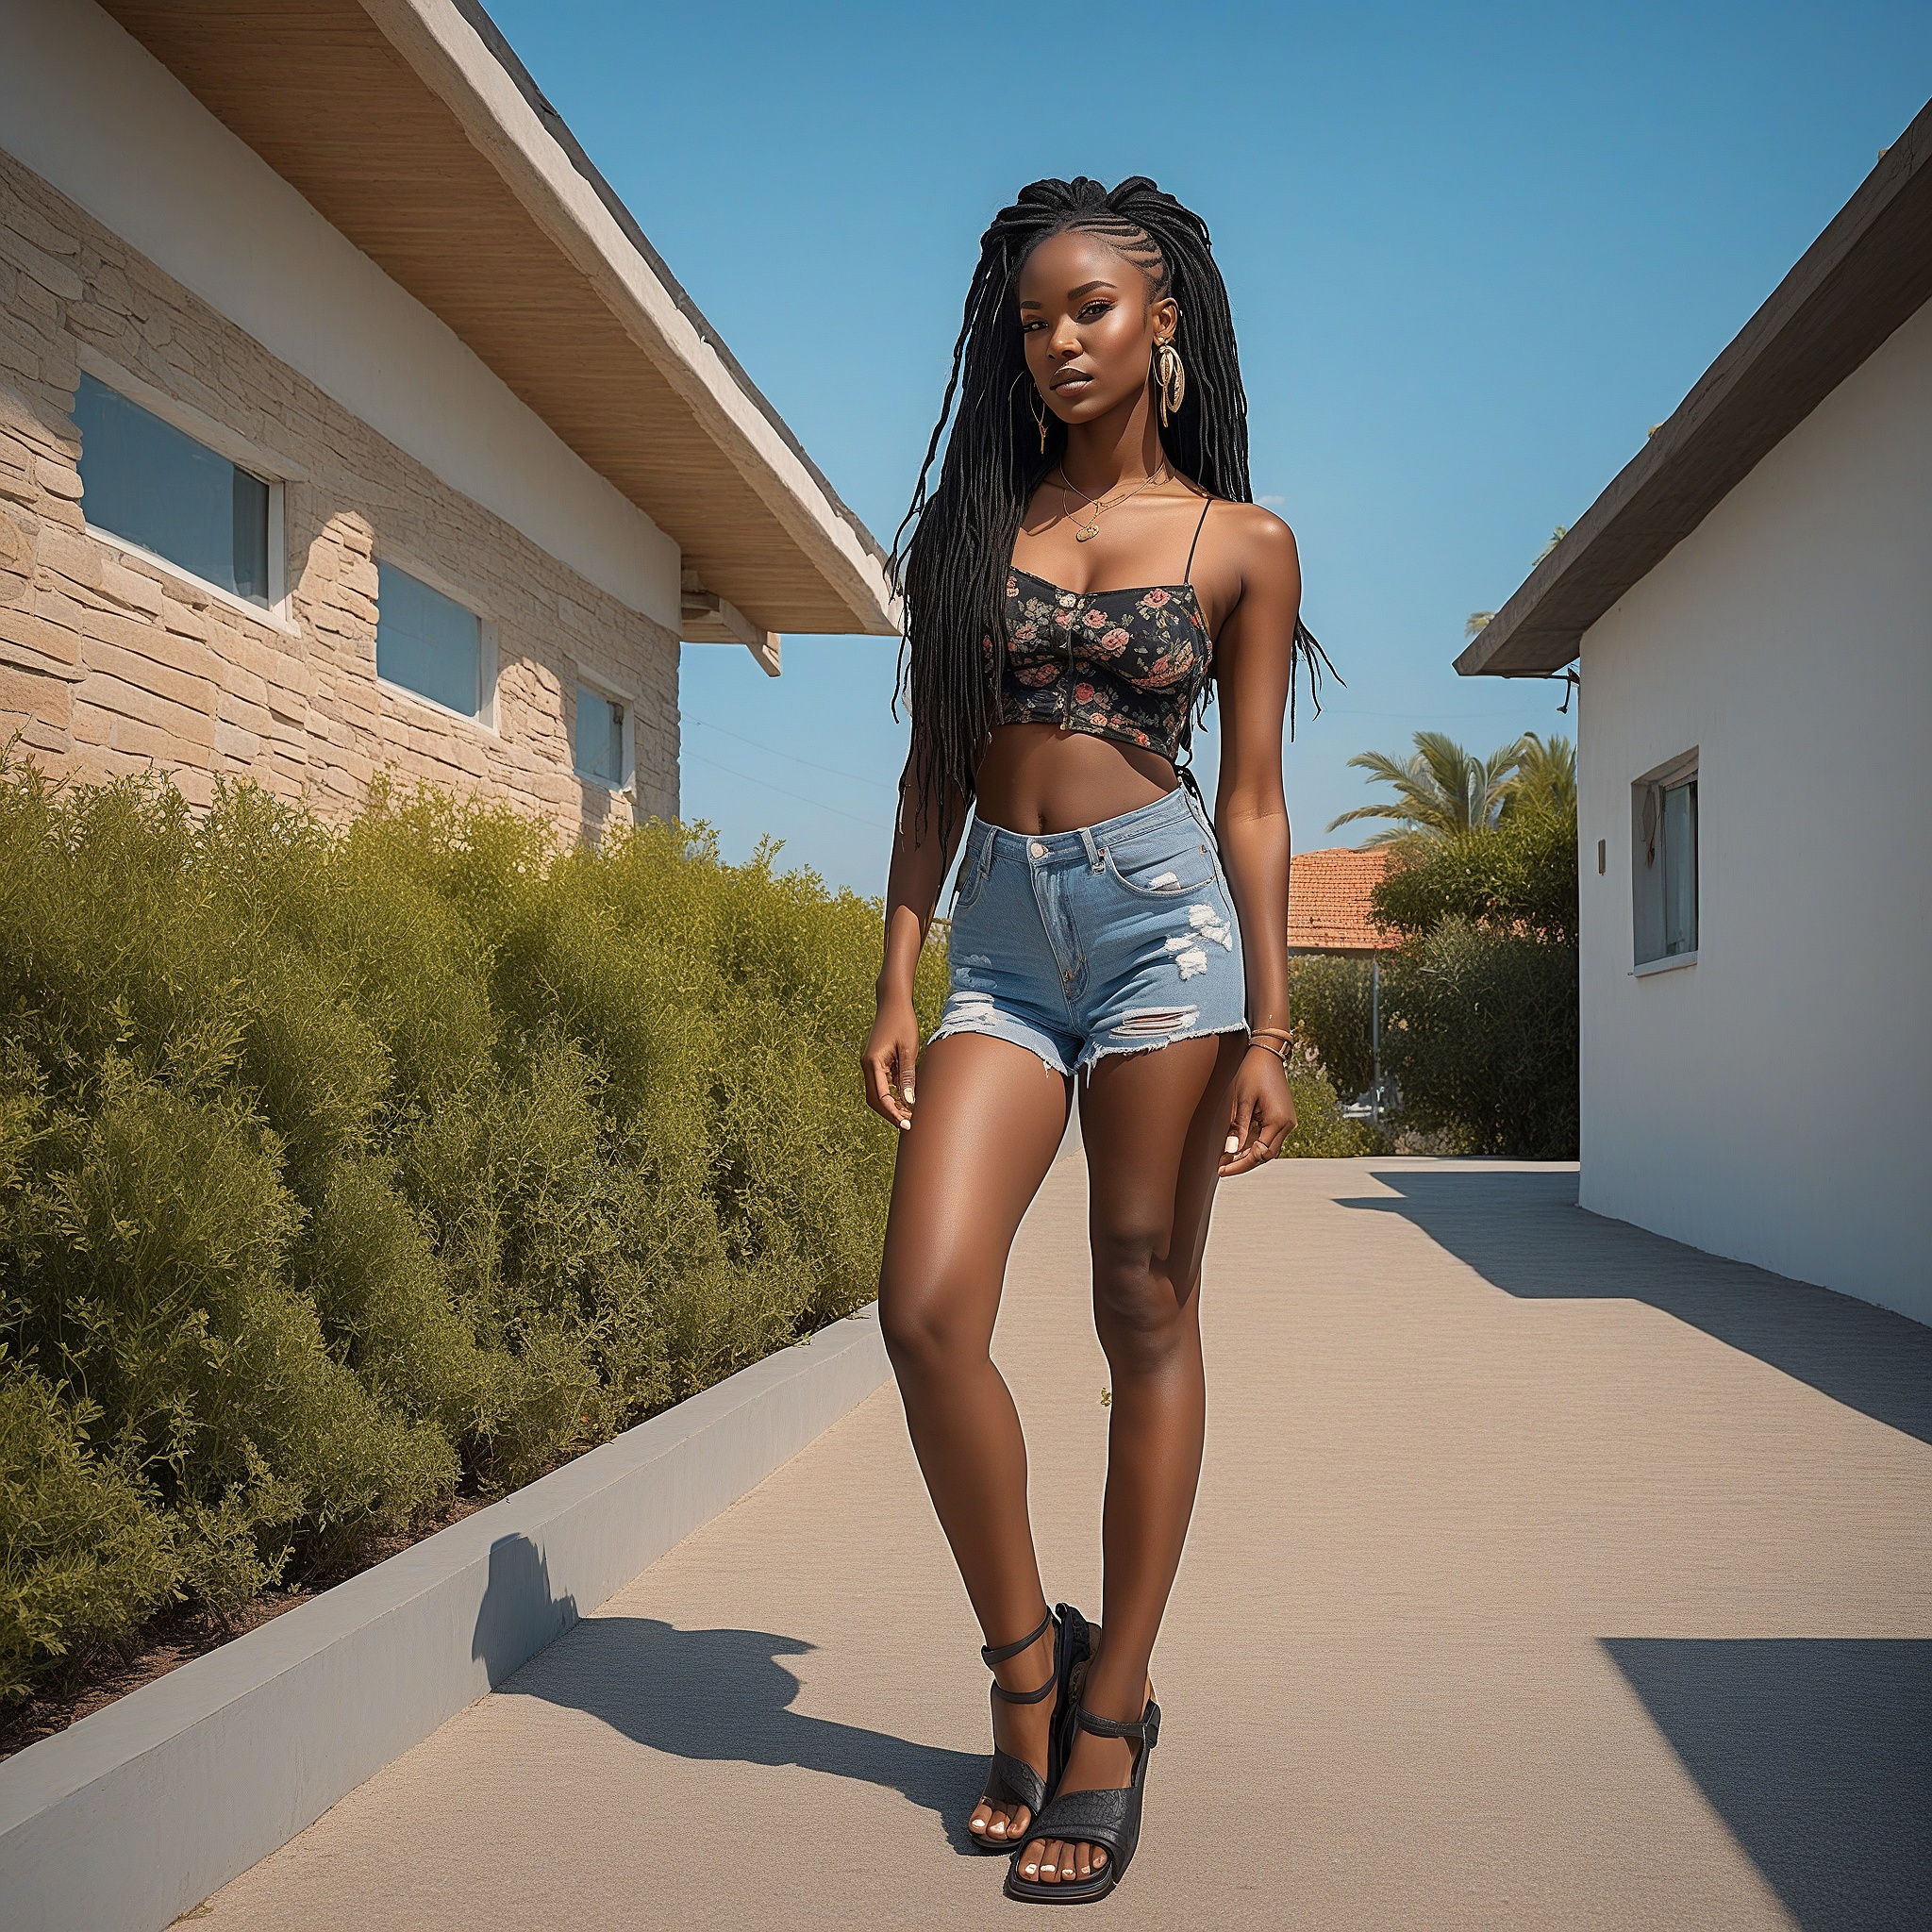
[[110, 663]]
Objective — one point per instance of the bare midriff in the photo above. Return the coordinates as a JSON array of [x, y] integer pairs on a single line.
[[1039, 778]]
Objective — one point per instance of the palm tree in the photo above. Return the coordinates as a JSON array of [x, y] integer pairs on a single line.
[[1545, 775], [1440, 792]]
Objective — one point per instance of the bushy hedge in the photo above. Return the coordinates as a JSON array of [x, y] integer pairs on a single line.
[[1329, 1000], [1321, 1133], [1516, 878], [1479, 1007], [342, 1167], [1481, 1033], [1481, 1023]]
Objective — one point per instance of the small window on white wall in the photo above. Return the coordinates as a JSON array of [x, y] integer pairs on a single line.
[[1664, 863], [428, 642], [603, 739]]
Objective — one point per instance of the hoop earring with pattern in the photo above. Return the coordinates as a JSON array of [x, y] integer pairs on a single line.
[[1170, 379]]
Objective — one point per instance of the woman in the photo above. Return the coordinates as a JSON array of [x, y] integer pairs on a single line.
[[1088, 567]]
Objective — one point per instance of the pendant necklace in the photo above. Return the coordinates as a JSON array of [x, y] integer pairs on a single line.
[[1085, 533]]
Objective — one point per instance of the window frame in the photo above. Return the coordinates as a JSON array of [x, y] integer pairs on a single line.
[[1649, 884], [446, 586], [266, 466], [611, 694]]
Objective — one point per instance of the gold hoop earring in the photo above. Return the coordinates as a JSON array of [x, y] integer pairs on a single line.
[[1170, 379], [1039, 417]]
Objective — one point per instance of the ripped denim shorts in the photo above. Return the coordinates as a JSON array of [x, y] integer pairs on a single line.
[[1118, 938]]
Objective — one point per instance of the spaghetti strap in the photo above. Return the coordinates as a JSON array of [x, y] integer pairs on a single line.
[[1188, 575]]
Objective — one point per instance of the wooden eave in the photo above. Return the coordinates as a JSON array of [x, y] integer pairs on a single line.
[[1869, 272], [412, 128]]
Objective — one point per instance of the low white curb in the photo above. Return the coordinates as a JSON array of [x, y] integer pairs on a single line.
[[138, 1812]]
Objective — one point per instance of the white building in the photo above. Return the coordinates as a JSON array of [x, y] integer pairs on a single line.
[[1750, 607]]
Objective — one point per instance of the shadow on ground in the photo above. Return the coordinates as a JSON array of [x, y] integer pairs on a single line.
[[723, 1694], [1523, 1233], [1817, 1751]]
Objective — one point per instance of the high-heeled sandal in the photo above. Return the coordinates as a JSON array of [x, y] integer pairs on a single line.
[[1107, 1818], [1012, 1782]]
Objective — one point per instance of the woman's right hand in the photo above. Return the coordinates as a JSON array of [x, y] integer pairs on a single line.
[[891, 1053]]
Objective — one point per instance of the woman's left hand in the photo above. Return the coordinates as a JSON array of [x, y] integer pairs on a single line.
[[1260, 1112]]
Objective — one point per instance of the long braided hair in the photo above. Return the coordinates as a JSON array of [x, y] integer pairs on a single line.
[[951, 572]]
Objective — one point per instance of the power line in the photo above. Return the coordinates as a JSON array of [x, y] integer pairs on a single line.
[[819, 803], [831, 771], [1410, 711]]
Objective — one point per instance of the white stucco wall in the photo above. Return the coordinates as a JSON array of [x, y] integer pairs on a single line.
[[91, 111], [1774, 1102]]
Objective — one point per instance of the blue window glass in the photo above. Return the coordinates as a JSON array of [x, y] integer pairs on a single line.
[[428, 642], [600, 737], [153, 484], [1680, 869]]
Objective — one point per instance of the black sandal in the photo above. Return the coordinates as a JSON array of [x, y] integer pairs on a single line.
[[1012, 1782], [1107, 1818]]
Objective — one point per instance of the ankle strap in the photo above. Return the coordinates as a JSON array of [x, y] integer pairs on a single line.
[[1143, 1730], [1046, 1690], [998, 1655]]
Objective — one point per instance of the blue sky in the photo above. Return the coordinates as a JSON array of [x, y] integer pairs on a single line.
[[1474, 252]]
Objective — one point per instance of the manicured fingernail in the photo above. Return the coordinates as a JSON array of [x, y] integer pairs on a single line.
[[1234, 1145]]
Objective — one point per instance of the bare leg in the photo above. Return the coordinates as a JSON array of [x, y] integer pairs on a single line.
[[1153, 1126], [987, 1124]]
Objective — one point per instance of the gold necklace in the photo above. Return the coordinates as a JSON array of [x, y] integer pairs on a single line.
[[1085, 533]]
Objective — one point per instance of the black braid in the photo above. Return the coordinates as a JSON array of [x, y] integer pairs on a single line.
[[952, 571]]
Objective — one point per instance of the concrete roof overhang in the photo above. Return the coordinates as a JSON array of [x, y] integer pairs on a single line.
[[415, 130], [1869, 272]]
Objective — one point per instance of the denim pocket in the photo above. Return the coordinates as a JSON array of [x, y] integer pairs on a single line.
[[1163, 867], [972, 871]]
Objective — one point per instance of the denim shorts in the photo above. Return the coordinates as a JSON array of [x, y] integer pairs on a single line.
[[1118, 938]]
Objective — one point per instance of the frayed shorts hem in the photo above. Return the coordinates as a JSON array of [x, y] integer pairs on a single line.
[[1040, 1052], [1092, 1056], [1098, 1051]]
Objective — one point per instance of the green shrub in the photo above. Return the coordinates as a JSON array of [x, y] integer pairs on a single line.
[[1480, 1032], [1516, 876], [1480, 1026], [1329, 1000], [85, 1556], [341, 1166], [1320, 1131]]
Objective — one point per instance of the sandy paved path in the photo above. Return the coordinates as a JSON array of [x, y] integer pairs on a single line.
[[1545, 1575]]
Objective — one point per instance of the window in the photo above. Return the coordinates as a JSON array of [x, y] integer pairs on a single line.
[[600, 739], [426, 643], [1664, 863], [149, 483]]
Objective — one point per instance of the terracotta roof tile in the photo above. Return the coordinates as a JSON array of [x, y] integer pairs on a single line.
[[1328, 901]]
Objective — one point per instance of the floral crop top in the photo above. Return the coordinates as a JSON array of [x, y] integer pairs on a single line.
[[1121, 664], [1129, 665]]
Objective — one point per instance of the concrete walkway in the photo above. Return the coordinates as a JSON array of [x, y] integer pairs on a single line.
[[1545, 1575]]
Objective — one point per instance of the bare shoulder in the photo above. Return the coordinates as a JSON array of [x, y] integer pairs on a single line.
[[1259, 549], [1258, 538]]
